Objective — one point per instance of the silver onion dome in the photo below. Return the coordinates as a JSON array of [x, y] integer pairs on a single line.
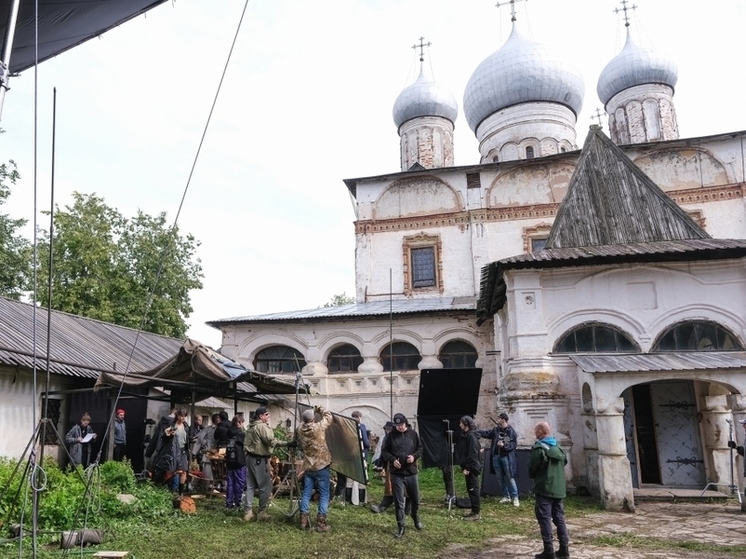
[[520, 71], [634, 66], [424, 97]]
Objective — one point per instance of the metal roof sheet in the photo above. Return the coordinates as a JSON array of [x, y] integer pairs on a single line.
[[629, 249], [80, 347], [681, 361], [370, 309]]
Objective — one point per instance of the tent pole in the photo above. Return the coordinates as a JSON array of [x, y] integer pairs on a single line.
[[10, 32]]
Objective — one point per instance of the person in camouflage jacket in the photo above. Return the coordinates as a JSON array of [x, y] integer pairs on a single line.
[[316, 461]]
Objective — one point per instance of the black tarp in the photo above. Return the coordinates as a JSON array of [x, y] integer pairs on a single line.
[[446, 395], [64, 24]]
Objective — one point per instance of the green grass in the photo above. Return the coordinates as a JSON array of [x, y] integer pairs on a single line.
[[356, 533]]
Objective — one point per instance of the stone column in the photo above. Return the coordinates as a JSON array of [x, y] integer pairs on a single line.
[[717, 453], [738, 404], [614, 479]]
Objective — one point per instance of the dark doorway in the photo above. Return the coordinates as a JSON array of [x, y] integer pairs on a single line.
[[647, 450]]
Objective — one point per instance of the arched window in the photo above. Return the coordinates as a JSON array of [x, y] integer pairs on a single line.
[[697, 335], [563, 150], [405, 357], [344, 359], [529, 152], [279, 359], [595, 338], [458, 355]]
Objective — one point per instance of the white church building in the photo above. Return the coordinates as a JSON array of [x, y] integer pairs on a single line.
[[602, 289]]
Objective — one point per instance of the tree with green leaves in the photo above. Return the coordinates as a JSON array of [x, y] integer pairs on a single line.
[[133, 272], [15, 250], [339, 300]]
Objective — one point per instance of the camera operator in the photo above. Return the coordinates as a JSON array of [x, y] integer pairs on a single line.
[[504, 442]]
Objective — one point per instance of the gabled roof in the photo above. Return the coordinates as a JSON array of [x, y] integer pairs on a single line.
[[611, 201], [612, 213]]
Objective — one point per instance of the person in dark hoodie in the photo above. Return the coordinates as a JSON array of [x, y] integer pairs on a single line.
[[469, 458], [401, 450], [546, 466]]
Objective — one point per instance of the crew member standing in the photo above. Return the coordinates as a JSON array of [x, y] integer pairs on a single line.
[[316, 461], [401, 450], [259, 444], [469, 458], [546, 466], [120, 436], [79, 444], [504, 442]]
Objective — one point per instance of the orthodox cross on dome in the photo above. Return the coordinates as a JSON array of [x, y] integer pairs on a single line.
[[512, 7], [421, 46], [624, 9], [597, 116]]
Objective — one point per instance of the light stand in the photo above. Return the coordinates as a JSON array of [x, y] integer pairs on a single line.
[[449, 436], [291, 479]]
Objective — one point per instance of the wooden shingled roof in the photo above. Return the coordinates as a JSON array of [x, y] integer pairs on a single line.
[[612, 213], [610, 201]]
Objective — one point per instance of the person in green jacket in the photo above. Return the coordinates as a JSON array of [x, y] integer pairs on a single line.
[[546, 466]]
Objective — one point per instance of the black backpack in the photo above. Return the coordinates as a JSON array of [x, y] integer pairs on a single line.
[[231, 453]]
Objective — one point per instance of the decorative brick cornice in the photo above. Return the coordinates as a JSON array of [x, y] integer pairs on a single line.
[[707, 194], [533, 211]]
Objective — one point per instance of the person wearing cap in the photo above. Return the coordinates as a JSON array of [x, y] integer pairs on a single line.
[[504, 442], [469, 458], [401, 450], [259, 445], [120, 436], [316, 461], [546, 466]]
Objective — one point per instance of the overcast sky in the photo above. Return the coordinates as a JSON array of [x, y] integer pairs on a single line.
[[306, 103]]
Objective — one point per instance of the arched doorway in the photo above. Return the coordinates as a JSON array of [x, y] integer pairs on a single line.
[[661, 426]]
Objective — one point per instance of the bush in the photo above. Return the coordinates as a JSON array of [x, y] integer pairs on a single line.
[[64, 502]]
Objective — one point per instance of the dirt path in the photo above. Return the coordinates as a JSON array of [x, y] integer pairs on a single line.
[[708, 524]]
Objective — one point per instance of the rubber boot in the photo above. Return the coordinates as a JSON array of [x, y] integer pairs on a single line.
[[548, 552], [564, 551], [399, 531], [305, 524], [386, 502], [321, 525]]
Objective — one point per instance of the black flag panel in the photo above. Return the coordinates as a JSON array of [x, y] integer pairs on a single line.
[[445, 396]]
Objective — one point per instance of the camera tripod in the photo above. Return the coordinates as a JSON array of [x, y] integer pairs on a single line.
[[732, 485]]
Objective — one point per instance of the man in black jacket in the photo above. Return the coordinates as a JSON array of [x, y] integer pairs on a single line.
[[469, 458], [222, 430], [401, 450]]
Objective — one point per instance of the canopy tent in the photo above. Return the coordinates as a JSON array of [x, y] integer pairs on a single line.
[[63, 24], [197, 371]]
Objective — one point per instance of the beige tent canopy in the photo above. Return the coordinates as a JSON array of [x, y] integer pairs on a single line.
[[198, 371]]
